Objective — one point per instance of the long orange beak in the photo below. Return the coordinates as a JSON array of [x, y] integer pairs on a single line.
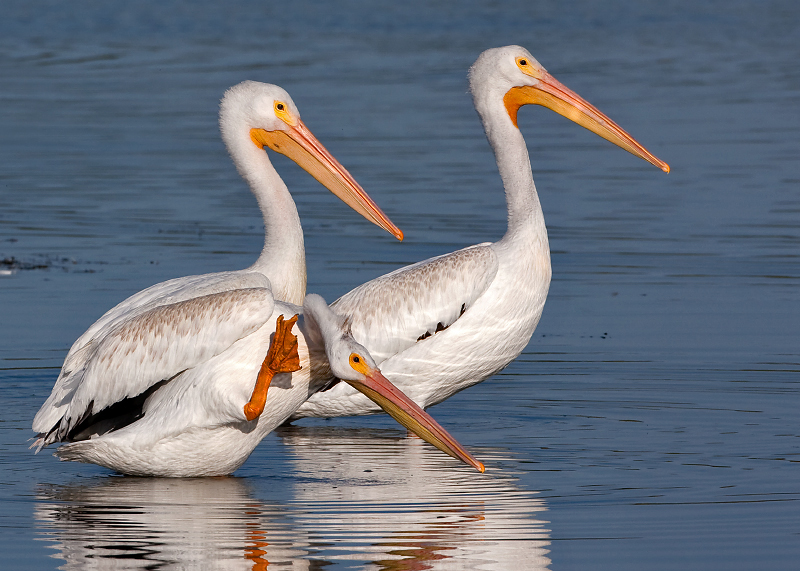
[[554, 95], [300, 145], [406, 412]]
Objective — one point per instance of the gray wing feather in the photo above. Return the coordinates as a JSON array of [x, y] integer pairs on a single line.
[[155, 345], [393, 312]]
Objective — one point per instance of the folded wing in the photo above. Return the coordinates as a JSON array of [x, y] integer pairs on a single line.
[[153, 346], [393, 312]]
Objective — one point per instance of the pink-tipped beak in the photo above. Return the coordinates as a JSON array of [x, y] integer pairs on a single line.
[[406, 412]]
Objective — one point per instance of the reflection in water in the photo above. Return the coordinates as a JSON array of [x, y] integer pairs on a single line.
[[370, 495], [356, 497], [159, 523]]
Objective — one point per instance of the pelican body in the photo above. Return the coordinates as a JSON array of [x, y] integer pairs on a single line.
[[447, 323], [93, 378], [182, 404], [163, 394]]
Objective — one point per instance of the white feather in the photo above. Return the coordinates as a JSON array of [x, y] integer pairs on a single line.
[[412, 320]]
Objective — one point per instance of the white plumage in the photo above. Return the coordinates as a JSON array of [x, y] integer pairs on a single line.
[[189, 389], [442, 325], [177, 406], [197, 339]]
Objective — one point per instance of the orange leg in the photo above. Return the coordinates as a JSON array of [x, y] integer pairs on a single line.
[[282, 357]]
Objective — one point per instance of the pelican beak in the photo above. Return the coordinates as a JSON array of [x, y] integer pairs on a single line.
[[554, 95], [300, 145], [406, 412]]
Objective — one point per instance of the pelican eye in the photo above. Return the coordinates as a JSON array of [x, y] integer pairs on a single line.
[[523, 62], [282, 113], [359, 363]]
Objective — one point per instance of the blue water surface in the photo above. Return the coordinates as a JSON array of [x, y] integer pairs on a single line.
[[652, 421]]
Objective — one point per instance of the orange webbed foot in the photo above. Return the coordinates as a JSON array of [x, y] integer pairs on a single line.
[[282, 357]]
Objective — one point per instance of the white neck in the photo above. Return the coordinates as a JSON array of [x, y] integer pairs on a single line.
[[525, 217], [283, 258]]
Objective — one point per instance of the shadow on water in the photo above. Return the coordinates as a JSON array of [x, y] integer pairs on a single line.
[[355, 495]]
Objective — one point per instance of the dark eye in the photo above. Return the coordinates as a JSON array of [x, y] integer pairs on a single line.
[[523, 62], [279, 106], [356, 359]]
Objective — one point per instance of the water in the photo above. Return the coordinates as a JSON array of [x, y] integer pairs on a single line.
[[652, 420]]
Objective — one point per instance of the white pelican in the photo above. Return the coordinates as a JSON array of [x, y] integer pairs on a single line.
[[181, 389], [444, 324], [252, 115]]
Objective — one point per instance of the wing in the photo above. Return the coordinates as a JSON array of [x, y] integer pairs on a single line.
[[393, 312], [165, 293], [153, 346]]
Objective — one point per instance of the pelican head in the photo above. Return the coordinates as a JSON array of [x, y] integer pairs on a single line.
[[259, 115], [352, 363], [511, 74], [348, 359]]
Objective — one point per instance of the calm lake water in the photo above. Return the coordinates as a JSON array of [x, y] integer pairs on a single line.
[[651, 423]]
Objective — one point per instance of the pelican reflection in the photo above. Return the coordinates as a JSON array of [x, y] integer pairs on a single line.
[[368, 497], [378, 496], [122, 522]]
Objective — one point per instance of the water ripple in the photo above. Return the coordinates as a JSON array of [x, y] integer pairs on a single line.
[[344, 502]]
